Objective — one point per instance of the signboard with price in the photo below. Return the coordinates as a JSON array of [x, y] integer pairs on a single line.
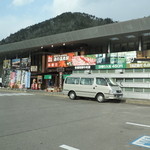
[[62, 60]]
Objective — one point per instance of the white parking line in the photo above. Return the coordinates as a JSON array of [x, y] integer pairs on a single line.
[[14, 94], [136, 124], [68, 147]]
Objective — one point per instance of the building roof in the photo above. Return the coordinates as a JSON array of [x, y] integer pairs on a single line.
[[93, 35]]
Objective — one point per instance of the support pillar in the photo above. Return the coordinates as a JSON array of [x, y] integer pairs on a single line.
[[140, 44], [109, 47]]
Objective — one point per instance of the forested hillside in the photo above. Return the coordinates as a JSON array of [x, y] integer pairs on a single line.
[[62, 23]]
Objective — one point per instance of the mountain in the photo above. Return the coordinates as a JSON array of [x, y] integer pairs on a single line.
[[65, 22]]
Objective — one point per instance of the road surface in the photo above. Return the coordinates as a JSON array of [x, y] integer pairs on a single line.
[[39, 122]]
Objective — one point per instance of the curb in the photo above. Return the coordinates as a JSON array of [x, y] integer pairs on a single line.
[[138, 101], [33, 92]]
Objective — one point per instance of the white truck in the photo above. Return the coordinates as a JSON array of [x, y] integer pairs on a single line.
[[92, 86]]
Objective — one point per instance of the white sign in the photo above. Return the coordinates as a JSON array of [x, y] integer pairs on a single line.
[[34, 68], [143, 141]]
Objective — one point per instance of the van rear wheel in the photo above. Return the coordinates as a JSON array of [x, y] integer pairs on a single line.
[[72, 95], [100, 98]]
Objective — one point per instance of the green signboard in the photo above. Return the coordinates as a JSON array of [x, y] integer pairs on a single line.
[[111, 66], [66, 75], [47, 76]]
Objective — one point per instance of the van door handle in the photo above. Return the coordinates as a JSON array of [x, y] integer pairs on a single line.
[[94, 87]]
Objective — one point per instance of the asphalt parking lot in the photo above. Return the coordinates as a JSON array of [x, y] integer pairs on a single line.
[[43, 122]]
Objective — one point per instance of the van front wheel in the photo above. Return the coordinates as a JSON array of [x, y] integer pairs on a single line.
[[72, 95], [100, 98]]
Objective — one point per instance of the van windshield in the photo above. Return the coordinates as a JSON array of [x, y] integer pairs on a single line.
[[101, 81], [111, 82]]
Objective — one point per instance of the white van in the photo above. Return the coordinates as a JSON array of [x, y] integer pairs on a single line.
[[93, 86]]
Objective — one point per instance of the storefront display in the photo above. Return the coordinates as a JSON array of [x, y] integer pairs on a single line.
[[27, 79], [16, 63], [25, 63], [6, 78], [34, 85], [6, 64], [19, 79], [17, 73], [12, 79]]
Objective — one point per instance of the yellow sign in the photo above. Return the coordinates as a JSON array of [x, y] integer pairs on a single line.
[[138, 65]]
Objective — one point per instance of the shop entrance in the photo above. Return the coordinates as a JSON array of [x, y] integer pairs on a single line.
[[54, 80]]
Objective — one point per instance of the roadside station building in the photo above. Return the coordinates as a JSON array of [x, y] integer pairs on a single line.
[[119, 50]]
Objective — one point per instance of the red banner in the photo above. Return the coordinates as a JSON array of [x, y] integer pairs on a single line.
[[64, 60], [84, 60]]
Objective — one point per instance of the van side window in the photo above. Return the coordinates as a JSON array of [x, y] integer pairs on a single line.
[[101, 81], [72, 80], [87, 81]]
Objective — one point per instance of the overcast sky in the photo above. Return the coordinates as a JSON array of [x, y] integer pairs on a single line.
[[18, 14]]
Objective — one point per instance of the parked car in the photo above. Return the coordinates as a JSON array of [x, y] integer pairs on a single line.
[[92, 86]]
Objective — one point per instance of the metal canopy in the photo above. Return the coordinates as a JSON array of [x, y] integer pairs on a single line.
[[92, 35]]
